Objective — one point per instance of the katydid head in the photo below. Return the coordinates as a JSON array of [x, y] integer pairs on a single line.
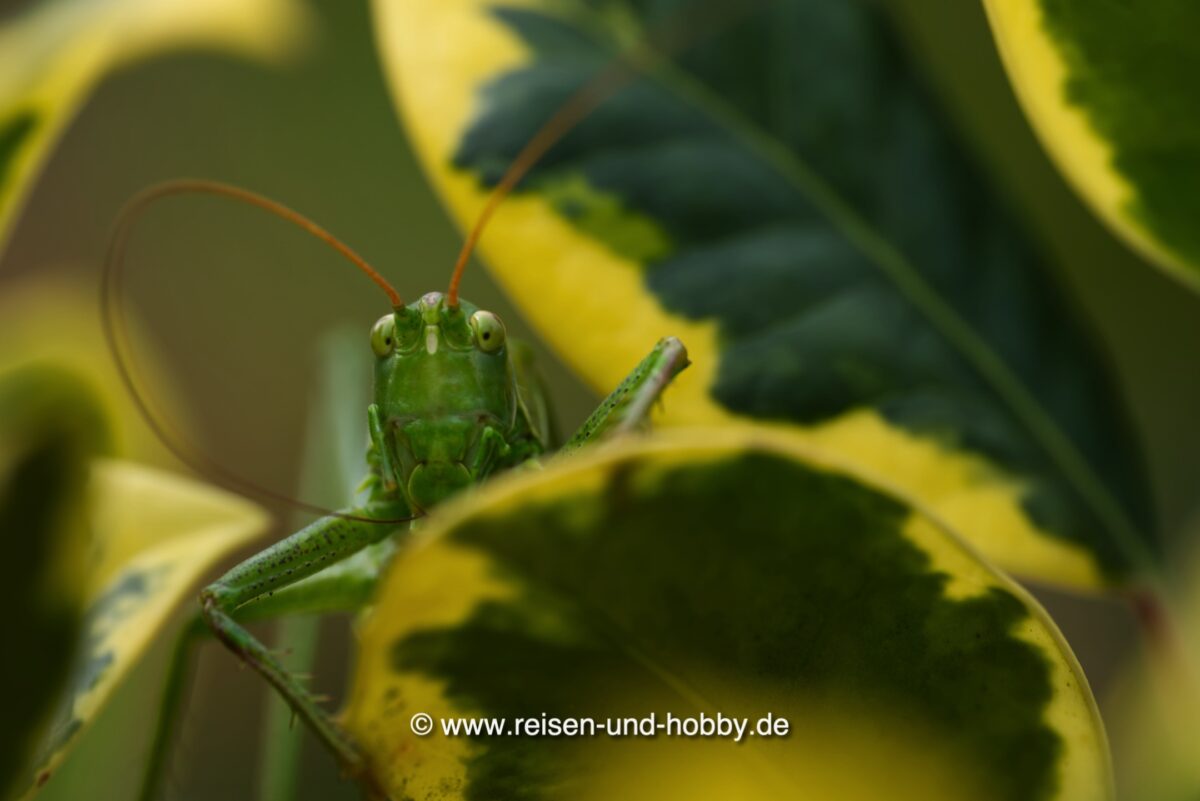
[[442, 380], [445, 390]]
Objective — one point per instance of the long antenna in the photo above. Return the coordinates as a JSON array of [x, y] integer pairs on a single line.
[[117, 337], [668, 39], [186, 186]]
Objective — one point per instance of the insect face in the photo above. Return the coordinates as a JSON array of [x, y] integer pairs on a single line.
[[442, 380]]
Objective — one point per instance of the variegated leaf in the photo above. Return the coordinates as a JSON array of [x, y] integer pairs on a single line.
[[50, 429], [56, 51], [784, 197], [1111, 90], [715, 571], [154, 536]]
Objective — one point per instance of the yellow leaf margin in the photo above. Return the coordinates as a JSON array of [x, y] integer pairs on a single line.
[[1039, 75], [55, 52], [155, 535], [591, 305], [448, 582]]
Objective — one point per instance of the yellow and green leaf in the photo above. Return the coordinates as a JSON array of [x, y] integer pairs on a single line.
[[57, 322], [732, 571], [99, 555], [141, 538], [55, 52], [154, 536], [50, 429], [784, 197], [1111, 90]]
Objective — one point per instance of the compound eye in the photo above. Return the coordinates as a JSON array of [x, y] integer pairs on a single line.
[[383, 335], [489, 331]]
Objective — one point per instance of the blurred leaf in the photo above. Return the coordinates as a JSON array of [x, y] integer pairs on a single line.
[[1155, 701], [55, 51], [50, 428], [56, 321], [786, 201], [1111, 90], [726, 571], [154, 536], [53, 323]]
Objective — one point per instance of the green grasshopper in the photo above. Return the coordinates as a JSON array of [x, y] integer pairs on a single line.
[[455, 402]]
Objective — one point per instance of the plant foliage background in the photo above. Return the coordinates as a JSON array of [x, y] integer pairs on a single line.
[[237, 301]]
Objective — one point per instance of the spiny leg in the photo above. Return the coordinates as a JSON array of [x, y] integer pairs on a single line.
[[303, 554], [628, 406], [346, 586]]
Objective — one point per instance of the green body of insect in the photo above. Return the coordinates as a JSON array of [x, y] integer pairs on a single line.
[[451, 405], [455, 402]]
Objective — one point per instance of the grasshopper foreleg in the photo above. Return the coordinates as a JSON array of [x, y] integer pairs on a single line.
[[628, 406], [387, 467]]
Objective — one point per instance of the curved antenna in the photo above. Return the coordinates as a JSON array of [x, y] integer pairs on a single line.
[[669, 38], [117, 337], [570, 114], [137, 206]]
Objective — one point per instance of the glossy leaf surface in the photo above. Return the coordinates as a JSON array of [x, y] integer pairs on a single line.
[[785, 198], [1111, 90], [726, 571]]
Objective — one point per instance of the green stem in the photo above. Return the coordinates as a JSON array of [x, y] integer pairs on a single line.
[[170, 710]]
